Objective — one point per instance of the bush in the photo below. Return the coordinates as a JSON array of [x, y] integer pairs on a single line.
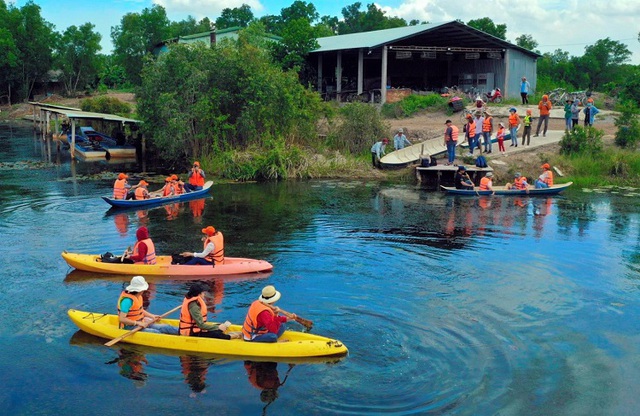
[[359, 126], [109, 105], [628, 125], [582, 140], [415, 103]]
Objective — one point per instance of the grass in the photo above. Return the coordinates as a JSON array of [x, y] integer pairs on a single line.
[[612, 166]]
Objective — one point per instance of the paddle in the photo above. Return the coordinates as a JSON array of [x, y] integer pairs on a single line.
[[124, 254], [304, 322], [139, 328]]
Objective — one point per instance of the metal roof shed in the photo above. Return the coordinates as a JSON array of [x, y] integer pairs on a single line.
[[426, 57]]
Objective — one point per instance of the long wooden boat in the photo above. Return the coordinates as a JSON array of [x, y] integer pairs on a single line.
[[160, 200], [411, 154], [501, 190], [291, 344], [163, 266]]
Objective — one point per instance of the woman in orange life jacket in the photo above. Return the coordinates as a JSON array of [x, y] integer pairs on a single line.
[[196, 178], [141, 190], [545, 180], [193, 317], [131, 312], [178, 185], [144, 251], [262, 323], [167, 189], [213, 252]]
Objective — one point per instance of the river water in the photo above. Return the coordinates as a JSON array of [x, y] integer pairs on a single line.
[[449, 305]]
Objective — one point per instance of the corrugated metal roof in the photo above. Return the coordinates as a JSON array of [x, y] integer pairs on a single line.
[[371, 39], [71, 112]]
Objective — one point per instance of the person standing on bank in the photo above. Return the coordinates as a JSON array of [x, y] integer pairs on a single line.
[[213, 252], [514, 125], [545, 108], [487, 129], [400, 140], [575, 114], [377, 151], [262, 323], [525, 89], [590, 112], [450, 141], [568, 114], [193, 317], [131, 312], [196, 178], [527, 128]]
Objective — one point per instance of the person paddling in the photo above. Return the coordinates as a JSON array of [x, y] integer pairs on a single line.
[[193, 317], [131, 312], [262, 323], [144, 251]]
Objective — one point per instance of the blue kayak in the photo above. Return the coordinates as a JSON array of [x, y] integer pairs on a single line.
[[160, 200], [501, 190]]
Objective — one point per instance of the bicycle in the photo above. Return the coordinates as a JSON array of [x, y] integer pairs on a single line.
[[557, 96]]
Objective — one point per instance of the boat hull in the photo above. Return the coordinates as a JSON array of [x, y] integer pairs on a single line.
[[292, 344], [501, 190], [130, 203], [163, 266]]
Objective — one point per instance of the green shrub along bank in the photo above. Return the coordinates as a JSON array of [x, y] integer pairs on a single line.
[[415, 103], [610, 167]]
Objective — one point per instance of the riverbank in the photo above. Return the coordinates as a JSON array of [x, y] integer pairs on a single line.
[[422, 126]]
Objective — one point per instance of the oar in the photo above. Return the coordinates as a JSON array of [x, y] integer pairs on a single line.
[[125, 253], [304, 322], [139, 328]]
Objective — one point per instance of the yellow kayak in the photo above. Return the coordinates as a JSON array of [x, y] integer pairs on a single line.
[[291, 344], [163, 266]]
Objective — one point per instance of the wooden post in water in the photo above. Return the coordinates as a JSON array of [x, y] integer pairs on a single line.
[[73, 138]]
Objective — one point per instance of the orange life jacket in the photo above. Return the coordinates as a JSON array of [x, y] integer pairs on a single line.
[[166, 189], [250, 328], [514, 120], [454, 133], [485, 183], [486, 124], [119, 190], [188, 325], [547, 177], [142, 193], [196, 179], [500, 134], [136, 312], [177, 189], [471, 129], [150, 258], [518, 183], [217, 255]]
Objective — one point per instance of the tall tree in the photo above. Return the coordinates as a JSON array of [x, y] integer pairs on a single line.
[[602, 60], [486, 25], [527, 42], [355, 20], [136, 37], [9, 55], [77, 56], [189, 26], [238, 16], [298, 39]]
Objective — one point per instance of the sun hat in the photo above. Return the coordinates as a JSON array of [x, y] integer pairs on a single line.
[[209, 230], [517, 174], [513, 109], [122, 176], [400, 130], [143, 183], [545, 166], [269, 295], [138, 284], [489, 175]]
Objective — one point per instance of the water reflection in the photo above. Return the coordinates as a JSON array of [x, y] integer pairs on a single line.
[[131, 366], [264, 377], [195, 371]]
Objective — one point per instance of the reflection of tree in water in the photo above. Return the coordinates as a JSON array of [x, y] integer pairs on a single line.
[[574, 214], [264, 376], [195, 373], [131, 366]]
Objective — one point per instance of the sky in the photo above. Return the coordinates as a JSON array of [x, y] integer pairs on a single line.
[[569, 25]]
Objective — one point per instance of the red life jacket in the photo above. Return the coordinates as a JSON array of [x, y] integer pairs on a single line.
[[188, 325]]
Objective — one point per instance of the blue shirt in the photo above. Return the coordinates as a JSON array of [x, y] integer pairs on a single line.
[[525, 86], [399, 140], [378, 149]]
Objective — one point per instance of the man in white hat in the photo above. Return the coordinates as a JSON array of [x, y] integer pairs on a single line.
[[262, 323], [131, 312], [400, 140]]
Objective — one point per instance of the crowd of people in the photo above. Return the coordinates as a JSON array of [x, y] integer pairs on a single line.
[[173, 185]]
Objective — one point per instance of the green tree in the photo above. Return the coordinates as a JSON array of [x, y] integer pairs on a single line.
[[355, 20], [527, 42], [136, 36], [486, 25], [601, 61], [189, 26], [328, 26], [238, 16], [628, 133], [77, 56], [298, 39], [111, 74]]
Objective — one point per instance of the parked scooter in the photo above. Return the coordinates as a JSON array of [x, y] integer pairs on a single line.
[[494, 96]]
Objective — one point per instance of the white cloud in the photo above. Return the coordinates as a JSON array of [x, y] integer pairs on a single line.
[[569, 25]]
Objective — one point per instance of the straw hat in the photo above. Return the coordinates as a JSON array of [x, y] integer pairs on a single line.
[[269, 295]]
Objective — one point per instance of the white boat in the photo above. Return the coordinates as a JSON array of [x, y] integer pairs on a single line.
[[411, 154]]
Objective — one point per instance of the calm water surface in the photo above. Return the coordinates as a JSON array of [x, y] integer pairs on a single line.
[[449, 306]]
